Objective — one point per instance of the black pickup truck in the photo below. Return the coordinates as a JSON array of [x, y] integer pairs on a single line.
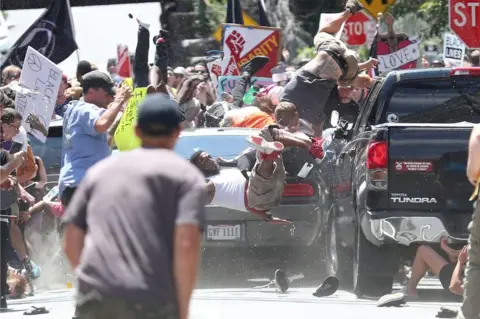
[[397, 175]]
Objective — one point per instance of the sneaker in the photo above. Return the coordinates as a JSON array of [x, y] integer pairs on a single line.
[[327, 288], [281, 281], [254, 65], [261, 145], [3, 303], [353, 6], [32, 269], [392, 300]]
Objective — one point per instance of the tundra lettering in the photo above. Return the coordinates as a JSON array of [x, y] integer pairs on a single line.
[[415, 200]]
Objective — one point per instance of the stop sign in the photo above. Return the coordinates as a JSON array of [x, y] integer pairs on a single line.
[[357, 28], [464, 17]]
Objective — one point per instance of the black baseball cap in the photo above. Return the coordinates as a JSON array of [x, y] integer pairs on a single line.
[[158, 115], [98, 80]]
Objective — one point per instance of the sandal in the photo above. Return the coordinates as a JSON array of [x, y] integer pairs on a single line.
[[36, 311]]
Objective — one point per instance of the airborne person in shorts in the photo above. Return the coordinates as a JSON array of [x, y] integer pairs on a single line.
[[333, 65]]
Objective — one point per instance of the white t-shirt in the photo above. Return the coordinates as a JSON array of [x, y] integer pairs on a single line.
[[229, 189]]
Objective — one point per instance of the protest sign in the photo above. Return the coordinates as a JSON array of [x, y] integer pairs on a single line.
[[453, 50], [125, 137], [227, 83], [245, 42], [41, 78], [405, 57]]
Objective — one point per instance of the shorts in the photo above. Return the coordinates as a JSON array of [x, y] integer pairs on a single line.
[[309, 94], [266, 193], [445, 276]]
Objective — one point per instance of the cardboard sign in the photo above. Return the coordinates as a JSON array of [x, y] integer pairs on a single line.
[[453, 50], [124, 65], [125, 137], [41, 79], [244, 43], [227, 83], [405, 57]]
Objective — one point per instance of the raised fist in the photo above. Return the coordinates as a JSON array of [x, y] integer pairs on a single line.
[[217, 70], [235, 42]]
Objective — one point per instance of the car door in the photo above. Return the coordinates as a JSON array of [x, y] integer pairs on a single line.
[[346, 166]]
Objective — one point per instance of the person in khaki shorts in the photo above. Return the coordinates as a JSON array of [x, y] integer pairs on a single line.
[[471, 297], [333, 65]]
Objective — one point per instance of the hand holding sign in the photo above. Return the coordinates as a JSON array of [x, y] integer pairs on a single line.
[[235, 42]]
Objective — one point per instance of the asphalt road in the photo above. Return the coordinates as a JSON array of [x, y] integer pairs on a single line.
[[233, 303]]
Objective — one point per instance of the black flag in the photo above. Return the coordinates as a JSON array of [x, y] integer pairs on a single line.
[[234, 12], [51, 35], [262, 14]]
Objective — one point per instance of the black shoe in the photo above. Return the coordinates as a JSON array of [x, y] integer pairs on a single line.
[[3, 303], [353, 6], [327, 288], [254, 65], [281, 280]]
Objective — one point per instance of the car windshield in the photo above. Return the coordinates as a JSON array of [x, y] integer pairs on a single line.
[[225, 146], [436, 101]]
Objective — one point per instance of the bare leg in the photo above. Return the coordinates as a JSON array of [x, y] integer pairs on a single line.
[[266, 168], [334, 26], [17, 241], [425, 259]]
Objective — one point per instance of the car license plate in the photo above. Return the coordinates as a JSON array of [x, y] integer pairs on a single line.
[[224, 232]]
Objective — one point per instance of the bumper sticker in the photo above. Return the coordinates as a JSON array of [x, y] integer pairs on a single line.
[[413, 166]]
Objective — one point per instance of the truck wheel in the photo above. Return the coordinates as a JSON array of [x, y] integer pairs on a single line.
[[367, 261], [339, 258]]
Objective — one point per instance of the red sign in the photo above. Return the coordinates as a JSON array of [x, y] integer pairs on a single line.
[[124, 67], [243, 43], [356, 29], [411, 166], [464, 16]]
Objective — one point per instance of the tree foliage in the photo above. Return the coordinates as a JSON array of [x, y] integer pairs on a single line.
[[433, 11]]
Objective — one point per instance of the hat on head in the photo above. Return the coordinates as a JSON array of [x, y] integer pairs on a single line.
[[98, 80], [279, 73], [158, 115], [83, 67], [180, 70]]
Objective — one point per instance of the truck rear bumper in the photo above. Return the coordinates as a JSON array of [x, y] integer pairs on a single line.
[[405, 230]]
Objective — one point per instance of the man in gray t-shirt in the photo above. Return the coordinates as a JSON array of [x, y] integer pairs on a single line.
[[136, 221]]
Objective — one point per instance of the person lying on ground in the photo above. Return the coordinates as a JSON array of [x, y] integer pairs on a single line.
[[334, 64], [17, 283], [444, 267]]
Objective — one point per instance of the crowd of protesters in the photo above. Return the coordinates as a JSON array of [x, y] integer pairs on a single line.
[[292, 112]]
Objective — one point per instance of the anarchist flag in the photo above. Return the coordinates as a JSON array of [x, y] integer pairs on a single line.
[[262, 14], [234, 12], [52, 35]]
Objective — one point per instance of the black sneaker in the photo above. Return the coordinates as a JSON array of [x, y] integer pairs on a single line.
[[281, 280], [353, 6], [3, 303], [327, 288], [254, 65]]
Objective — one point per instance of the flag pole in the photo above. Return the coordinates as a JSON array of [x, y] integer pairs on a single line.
[[73, 27]]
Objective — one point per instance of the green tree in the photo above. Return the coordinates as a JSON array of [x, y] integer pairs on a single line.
[[433, 11]]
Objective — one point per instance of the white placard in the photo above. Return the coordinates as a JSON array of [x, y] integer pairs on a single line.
[[42, 77], [215, 69], [395, 60], [453, 50]]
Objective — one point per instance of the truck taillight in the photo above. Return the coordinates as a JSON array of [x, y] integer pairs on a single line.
[[377, 166], [377, 155], [298, 190], [465, 71]]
